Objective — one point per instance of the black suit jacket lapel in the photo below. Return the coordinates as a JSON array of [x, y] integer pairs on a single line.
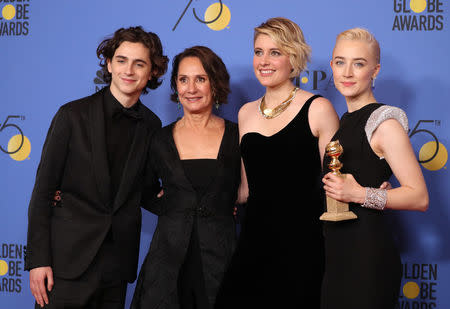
[[215, 183], [176, 159], [98, 144]]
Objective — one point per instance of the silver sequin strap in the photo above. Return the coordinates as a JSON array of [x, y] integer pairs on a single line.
[[375, 198], [383, 113]]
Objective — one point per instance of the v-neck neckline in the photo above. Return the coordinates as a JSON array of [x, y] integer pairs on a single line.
[[179, 161], [219, 152]]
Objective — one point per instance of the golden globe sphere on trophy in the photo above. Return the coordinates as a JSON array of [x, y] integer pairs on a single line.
[[336, 210]]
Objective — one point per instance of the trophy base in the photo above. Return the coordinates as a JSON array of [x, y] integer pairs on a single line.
[[337, 211], [338, 216]]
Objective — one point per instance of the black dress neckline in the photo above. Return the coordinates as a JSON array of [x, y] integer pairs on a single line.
[[305, 105], [355, 112]]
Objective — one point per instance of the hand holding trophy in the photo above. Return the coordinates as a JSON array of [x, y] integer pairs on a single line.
[[336, 210]]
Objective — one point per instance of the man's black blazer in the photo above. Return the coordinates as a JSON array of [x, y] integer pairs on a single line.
[[74, 160]]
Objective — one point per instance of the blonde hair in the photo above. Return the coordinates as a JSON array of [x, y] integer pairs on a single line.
[[289, 38], [360, 34]]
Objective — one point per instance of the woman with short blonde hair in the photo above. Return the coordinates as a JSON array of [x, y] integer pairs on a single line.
[[362, 264], [361, 34], [278, 262], [288, 36]]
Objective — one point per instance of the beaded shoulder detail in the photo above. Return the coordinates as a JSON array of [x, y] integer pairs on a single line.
[[383, 113]]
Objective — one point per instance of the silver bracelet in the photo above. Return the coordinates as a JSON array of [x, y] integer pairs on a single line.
[[375, 198]]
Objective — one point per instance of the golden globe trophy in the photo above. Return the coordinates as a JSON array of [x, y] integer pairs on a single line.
[[336, 210]]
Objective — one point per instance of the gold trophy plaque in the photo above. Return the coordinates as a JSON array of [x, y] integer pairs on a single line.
[[336, 210]]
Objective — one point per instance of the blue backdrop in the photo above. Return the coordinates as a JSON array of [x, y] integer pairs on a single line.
[[48, 57]]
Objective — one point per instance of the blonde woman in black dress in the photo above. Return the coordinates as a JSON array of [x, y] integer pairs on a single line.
[[363, 268], [279, 259]]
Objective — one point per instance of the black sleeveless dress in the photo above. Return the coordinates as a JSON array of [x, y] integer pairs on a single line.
[[279, 259], [363, 268]]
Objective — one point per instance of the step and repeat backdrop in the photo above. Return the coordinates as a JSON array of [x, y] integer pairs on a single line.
[[48, 57]]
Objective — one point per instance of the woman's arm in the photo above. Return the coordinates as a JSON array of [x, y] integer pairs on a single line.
[[323, 122], [243, 186], [390, 141]]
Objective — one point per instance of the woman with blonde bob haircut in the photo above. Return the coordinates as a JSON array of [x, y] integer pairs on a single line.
[[362, 264], [279, 259], [289, 38]]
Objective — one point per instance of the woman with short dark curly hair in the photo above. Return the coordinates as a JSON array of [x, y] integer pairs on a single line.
[[198, 161], [214, 67]]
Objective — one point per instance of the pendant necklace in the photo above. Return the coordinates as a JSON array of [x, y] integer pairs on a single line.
[[270, 113]]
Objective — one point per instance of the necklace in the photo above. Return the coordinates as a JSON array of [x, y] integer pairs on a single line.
[[270, 113]]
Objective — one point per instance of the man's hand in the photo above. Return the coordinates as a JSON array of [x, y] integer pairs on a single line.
[[38, 276]]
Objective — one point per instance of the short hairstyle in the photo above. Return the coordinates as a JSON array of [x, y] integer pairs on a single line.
[[214, 68], [107, 48], [361, 34], [288, 36]]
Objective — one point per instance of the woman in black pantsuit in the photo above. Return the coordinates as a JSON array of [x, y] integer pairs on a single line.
[[197, 159]]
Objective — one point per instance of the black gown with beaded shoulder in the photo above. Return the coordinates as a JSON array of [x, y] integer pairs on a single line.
[[279, 259], [363, 268]]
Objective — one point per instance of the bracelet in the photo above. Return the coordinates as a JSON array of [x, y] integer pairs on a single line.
[[375, 198]]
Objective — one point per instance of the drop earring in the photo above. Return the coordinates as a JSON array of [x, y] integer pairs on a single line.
[[178, 101], [373, 81], [217, 104]]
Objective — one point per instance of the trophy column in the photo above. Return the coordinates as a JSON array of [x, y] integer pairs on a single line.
[[336, 210]]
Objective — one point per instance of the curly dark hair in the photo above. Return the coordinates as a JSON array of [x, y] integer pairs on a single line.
[[213, 66], [108, 47]]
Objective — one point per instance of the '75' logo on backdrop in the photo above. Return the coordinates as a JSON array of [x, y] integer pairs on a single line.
[[19, 146], [433, 155], [217, 16]]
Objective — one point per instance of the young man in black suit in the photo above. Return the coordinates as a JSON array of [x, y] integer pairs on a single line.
[[83, 249]]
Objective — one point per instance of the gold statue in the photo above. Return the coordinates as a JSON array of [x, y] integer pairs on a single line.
[[336, 210]]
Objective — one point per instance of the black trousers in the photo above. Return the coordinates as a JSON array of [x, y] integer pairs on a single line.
[[77, 294], [191, 285], [99, 287]]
